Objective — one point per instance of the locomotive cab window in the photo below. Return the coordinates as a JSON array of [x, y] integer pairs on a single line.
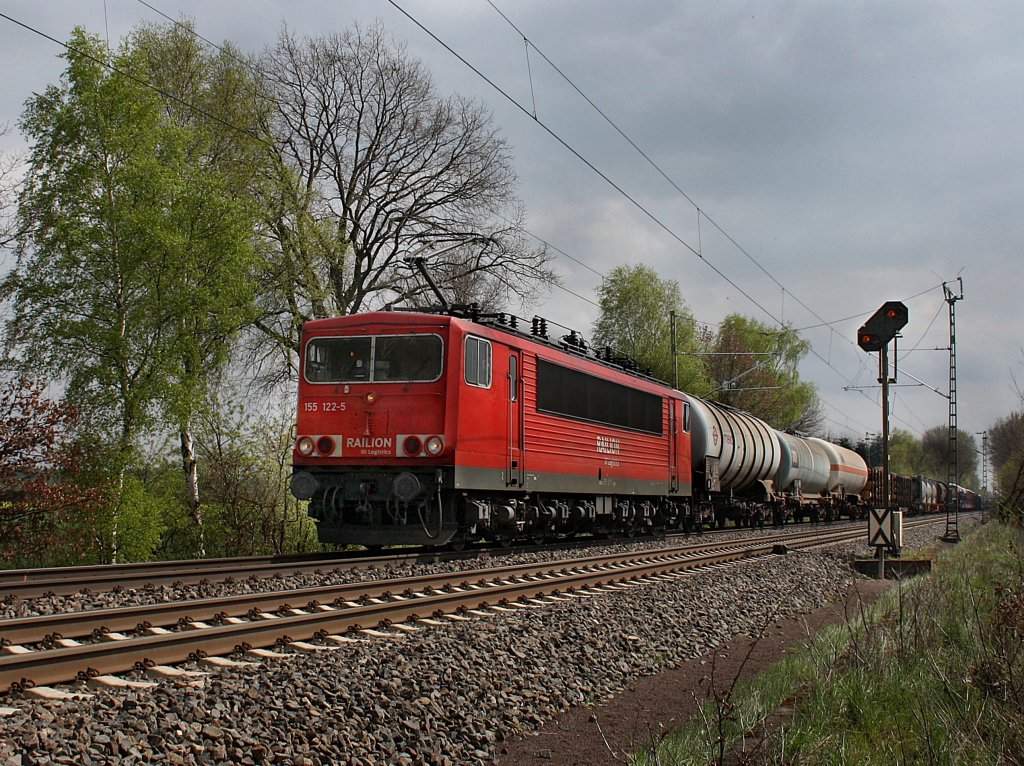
[[377, 359], [478, 362], [406, 358]]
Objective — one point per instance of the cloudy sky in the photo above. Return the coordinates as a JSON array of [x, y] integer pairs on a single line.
[[841, 155]]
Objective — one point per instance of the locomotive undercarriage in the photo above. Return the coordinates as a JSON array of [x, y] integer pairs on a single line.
[[391, 507]]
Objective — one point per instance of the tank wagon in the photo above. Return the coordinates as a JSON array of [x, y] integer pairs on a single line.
[[440, 427]]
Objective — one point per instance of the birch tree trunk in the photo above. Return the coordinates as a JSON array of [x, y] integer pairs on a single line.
[[191, 468]]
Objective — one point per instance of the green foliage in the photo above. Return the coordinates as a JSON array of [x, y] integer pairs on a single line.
[[756, 369], [1006, 438], [248, 455], [211, 229], [138, 268], [906, 455], [934, 673], [1010, 480], [137, 521], [935, 456], [635, 320]]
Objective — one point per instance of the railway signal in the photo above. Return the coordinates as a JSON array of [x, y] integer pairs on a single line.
[[883, 326]]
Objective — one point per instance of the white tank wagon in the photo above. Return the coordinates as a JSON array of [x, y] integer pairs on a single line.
[[818, 478], [804, 468], [929, 495], [848, 473], [735, 457]]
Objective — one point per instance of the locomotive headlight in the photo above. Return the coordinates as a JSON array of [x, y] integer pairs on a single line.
[[325, 445], [434, 446], [371, 397], [305, 446]]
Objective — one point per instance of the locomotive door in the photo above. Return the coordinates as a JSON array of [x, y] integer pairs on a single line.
[[516, 470], [674, 422]]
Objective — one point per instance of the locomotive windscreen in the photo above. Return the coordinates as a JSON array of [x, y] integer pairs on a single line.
[[374, 359], [575, 394]]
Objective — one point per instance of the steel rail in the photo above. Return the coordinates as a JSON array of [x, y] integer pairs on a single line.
[[51, 627], [31, 583], [18, 671], [47, 628]]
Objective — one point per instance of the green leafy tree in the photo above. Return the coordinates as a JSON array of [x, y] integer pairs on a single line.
[[635, 320], [136, 265], [213, 96], [1006, 439], [756, 369], [249, 454], [906, 454], [935, 456]]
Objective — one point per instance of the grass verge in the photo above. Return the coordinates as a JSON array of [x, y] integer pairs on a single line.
[[932, 674]]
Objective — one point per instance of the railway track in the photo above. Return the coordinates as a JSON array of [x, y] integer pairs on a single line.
[[31, 583], [65, 647]]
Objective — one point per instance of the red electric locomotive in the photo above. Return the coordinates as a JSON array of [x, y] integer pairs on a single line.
[[421, 428]]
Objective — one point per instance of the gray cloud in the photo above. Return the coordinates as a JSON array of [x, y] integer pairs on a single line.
[[860, 151]]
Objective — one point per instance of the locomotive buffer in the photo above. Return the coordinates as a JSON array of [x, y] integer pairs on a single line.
[[885, 525]]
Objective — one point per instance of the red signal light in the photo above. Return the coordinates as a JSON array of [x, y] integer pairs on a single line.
[[869, 341]]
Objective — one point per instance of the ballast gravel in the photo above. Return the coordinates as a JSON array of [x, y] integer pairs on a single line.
[[445, 695]]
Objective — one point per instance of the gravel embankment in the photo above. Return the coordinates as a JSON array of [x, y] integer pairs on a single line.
[[441, 695]]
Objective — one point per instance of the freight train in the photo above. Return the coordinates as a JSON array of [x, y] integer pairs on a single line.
[[442, 427]]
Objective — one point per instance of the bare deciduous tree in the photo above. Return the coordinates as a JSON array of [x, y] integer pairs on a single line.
[[373, 166], [10, 183]]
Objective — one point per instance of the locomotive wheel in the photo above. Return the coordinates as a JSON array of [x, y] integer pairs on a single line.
[[457, 543]]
